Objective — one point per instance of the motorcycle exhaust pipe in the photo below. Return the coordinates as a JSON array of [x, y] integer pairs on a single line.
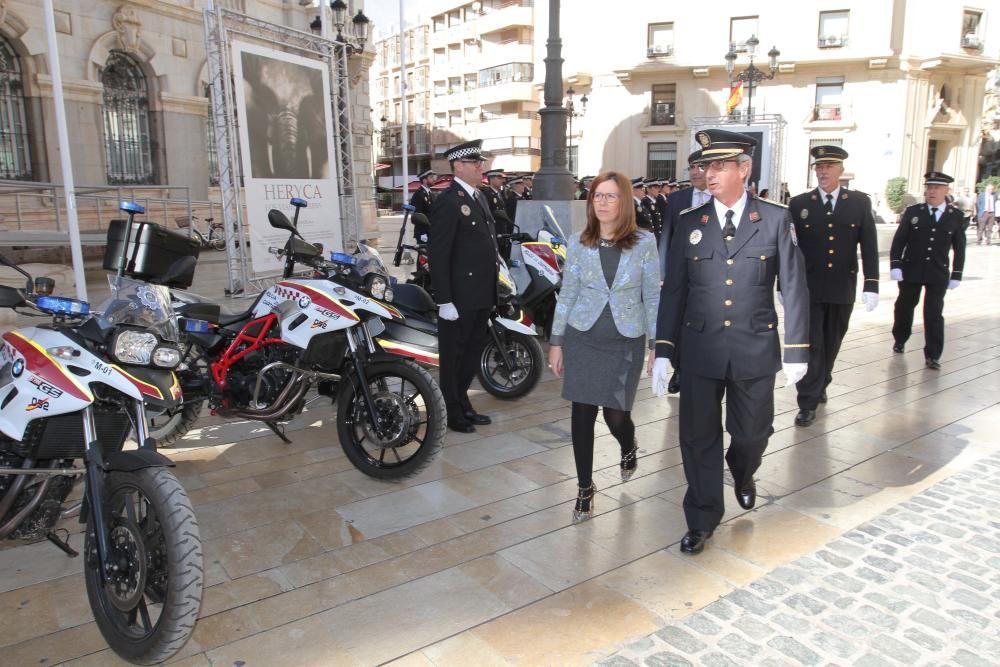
[[10, 526]]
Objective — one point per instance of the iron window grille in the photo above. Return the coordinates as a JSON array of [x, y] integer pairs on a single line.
[[127, 142], [15, 159]]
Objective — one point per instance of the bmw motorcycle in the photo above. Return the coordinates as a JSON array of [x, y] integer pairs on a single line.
[[312, 331], [71, 392]]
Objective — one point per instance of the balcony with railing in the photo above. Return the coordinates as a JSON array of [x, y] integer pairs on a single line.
[[503, 15], [391, 144]]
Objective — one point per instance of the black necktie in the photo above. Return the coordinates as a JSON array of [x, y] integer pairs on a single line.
[[729, 229], [933, 215], [828, 205]]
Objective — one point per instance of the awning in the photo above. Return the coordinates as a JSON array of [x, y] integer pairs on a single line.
[[381, 165]]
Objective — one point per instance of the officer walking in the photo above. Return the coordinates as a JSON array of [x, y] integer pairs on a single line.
[[919, 259], [463, 258], [720, 290], [649, 205], [642, 218], [421, 202], [831, 222]]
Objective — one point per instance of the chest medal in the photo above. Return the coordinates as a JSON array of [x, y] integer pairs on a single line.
[[695, 237], [466, 210]]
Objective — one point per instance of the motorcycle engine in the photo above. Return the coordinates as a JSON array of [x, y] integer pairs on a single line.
[[243, 376], [46, 514]]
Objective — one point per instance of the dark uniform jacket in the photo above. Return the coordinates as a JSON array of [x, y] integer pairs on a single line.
[[497, 202], [511, 203], [830, 242], [661, 206], [421, 202], [724, 298], [584, 194], [462, 251], [649, 205], [642, 217], [921, 245]]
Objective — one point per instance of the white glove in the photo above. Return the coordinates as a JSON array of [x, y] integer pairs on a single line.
[[661, 375], [896, 274], [781, 299], [794, 373], [422, 238], [870, 300], [952, 284], [447, 311]]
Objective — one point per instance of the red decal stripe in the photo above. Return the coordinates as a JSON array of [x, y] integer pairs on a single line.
[[323, 300], [44, 366]]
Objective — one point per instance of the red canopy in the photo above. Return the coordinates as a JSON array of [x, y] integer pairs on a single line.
[[442, 184]]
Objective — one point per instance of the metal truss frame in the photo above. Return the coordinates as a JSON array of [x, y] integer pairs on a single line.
[[772, 124], [220, 26]]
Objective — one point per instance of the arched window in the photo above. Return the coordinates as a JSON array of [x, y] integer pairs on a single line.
[[126, 121], [15, 161]]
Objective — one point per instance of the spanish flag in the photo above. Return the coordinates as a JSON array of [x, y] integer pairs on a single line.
[[735, 97]]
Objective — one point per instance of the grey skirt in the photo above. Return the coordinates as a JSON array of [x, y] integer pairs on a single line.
[[602, 370]]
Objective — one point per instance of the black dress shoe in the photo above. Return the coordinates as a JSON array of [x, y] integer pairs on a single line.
[[822, 397], [933, 364], [461, 426], [478, 419], [805, 417], [897, 348], [693, 541], [674, 386], [747, 496]]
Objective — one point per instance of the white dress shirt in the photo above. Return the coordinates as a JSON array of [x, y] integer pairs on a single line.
[[737, 209], [835, 193]]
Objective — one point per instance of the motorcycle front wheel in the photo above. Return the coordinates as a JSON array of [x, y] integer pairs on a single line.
[[411, 410], [147, 607], [525, 354]]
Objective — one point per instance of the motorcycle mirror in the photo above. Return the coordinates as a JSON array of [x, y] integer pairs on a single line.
[[279, 220], [7, 261]]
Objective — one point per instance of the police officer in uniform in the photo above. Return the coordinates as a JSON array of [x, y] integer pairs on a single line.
[[649, 204], [831, 222], [919, 259], [529, 186], [421, 202], [585, 187], [642, 218], [493, 190], [515, 193], [463, 258], [720, 290]]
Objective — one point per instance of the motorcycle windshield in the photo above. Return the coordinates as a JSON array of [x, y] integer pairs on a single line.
[[140, 304], [551, 225], [369, 261]]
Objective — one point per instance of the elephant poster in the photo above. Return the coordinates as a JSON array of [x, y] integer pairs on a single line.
[[284, 116]]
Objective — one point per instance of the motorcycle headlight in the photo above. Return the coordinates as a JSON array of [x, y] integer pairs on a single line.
[[388, 295], [166, 357], [135, 347], [377, 286]]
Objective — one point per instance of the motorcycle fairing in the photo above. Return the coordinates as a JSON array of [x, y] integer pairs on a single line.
[[543, 259], [415, 352], [521, 325]]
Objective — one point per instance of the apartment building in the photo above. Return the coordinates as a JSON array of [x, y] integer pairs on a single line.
[[469, 71], [899, 84]]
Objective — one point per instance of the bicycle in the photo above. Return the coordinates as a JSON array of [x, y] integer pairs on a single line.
[[216, 237]]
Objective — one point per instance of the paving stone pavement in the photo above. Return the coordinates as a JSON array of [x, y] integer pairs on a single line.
[[917, 585]]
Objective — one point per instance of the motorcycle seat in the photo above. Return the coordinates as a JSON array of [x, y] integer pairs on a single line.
[[414, 299]]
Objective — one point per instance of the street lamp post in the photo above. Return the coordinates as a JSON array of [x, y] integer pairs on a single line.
[[573, 113], [752, 75]]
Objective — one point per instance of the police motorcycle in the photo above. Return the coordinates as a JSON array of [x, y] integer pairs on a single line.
[[71, 392], [321, 331], [512, 361]]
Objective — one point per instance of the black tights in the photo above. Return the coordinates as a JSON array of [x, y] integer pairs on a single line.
[[582, 418]]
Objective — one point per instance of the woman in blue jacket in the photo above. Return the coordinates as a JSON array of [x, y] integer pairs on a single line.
[[607, 306]]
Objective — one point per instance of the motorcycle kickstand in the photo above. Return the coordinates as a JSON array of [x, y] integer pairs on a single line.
[[279, 431], [62, 543]]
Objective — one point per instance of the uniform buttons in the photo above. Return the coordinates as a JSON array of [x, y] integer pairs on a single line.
[[831, 238], [763, 257], [470, 273], [727, 323], [932, 238], [830, 225], [728, 302], [729, 281], [831, 251], [930, 248], [770, 326], [927, 257], [729, 261], [695, 258], [473, 223], [829, 265]]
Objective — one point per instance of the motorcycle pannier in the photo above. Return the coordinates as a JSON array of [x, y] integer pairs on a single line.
[[152, 251]]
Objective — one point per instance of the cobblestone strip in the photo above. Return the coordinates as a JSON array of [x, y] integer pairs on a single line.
[[917, 585]]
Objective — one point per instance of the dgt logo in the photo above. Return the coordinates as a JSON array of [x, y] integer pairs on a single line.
[[38, 404], [318, 324]]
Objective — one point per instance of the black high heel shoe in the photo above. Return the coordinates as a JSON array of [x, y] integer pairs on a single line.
[[584, 508], [630, 461]]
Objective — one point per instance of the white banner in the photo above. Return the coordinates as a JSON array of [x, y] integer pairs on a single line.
[[286, 144]]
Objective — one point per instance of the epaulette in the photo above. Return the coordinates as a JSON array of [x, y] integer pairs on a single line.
[[695, 208], [768, 201]]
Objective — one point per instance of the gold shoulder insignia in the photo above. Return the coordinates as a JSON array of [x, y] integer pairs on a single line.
[[768, 201], [695, 208]]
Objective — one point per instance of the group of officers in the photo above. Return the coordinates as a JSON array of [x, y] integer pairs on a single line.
[[717, 329]]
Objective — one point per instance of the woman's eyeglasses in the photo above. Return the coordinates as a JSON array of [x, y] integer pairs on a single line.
[[610, 197]]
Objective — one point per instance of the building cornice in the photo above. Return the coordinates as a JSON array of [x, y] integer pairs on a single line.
[[78, 90], [189, 104]]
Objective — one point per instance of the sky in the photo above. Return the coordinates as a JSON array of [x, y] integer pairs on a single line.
[[385, 13]]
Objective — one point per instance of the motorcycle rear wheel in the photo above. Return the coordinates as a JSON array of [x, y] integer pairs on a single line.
[[410, 404], [169, 427], [526, 354], [148, 607]]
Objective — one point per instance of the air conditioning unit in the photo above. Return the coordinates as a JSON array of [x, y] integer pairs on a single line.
[[833, 40], [828, 113], [972, 42], [659, 50]]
